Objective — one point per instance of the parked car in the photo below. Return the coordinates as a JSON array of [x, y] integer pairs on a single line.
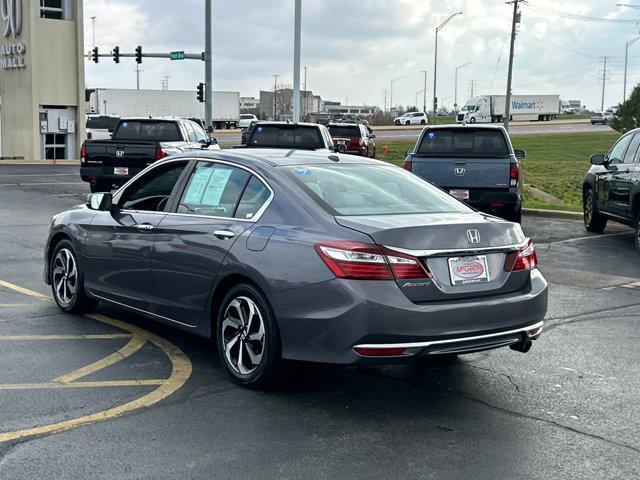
[[136, 143], [603, 118], [100, 127], [280, 254], [244, 133], [246, 119], [476, 164], [301, 136], [412, 118], [348, 118], [610, 188], [353, 138]]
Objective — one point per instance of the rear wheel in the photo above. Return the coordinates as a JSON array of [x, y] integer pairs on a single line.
[[247, 336], [407, 123], [67, 280], [594, 221], [472, 120]]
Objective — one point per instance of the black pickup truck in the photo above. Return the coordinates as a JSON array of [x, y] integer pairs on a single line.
[[135, 144]]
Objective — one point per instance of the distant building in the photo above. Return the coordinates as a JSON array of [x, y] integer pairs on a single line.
[[576, 105], [360, 110], [249, 103], [282, 108]]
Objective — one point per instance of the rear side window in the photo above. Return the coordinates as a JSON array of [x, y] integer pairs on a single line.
[[282, 136], [463, 143], [344, 131], [254, 196], [102, 123], [148, 131], [214, 190]]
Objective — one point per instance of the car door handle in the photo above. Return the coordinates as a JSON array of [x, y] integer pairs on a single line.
[[145, 227], [224, 234]]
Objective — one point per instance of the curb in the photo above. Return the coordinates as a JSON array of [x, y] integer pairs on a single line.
[[538, 212], [40, 162]]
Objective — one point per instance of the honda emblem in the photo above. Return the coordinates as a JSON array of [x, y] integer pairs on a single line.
[[473, 236], [119, 153], [459, 171]]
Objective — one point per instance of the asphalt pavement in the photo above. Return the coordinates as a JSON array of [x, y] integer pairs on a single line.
[[119, 396]]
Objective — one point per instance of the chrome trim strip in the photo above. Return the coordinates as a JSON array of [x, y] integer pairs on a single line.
[[450, 340], [253, 219], [124, 305], [459, 251]]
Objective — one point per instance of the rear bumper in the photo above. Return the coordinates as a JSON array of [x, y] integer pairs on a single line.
[[324, 322], [492, 201], [103, 174]]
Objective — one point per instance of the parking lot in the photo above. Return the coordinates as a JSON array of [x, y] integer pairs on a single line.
[[114, 395]]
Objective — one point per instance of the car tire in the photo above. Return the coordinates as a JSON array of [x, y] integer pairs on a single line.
[[594, 221], [407, 123], [67, 280], [472, 120], [423, 122], [248, 344]]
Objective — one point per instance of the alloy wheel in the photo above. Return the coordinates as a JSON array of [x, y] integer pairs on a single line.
[[588, 209], [65, 276], [243, 335]]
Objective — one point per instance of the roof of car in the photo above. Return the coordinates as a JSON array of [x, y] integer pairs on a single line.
[[463, 126], [342, 124], [289, 124]]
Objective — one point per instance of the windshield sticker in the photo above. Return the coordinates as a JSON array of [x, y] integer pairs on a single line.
[[302, 171], [259, 129], [125, 125], [431, 136]]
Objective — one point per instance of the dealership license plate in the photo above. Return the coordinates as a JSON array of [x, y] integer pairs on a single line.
[[459, 194], [471, 269], [121, 171]]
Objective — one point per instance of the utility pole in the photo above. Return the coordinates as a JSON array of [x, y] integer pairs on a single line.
[[604, 81], [626, 59], [455, 96], [296, 60], [275, 95], [208, 68], [93, 28], [514, 23], [424, 93], [384, 92]]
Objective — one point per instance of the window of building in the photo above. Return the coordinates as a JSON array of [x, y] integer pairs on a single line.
[[54, 9], [55, 146]]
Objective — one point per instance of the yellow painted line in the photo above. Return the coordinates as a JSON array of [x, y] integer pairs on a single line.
[[135, 344], [180, 372], [65, 337], [104, 383], [17, 305], [25, 291]]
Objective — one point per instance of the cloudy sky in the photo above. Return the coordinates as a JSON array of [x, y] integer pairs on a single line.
[[354, 48]]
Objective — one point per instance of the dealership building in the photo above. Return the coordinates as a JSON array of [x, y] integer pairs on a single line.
[[41, 79]]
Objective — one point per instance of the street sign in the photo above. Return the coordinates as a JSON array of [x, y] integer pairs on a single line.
[[176, 55]]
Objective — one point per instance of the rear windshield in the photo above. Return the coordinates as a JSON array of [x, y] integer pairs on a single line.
[[103, 123], [356, 189], [344, 131], [283, 136], [148, 131], [463, 143]]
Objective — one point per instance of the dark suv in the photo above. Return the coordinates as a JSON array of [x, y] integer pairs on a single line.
[[611, 190]]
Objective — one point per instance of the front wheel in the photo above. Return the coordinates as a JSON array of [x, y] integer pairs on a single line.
[[247, 337], [407, 123], [423, 122], [67, 280], [472, 120], [594, 221]]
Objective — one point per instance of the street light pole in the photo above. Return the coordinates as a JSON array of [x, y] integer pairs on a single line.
[[391, 91], [93, 28], [626, 59], [455, 97], [424, 93], [296, 61], [208, 68], [435, 65]]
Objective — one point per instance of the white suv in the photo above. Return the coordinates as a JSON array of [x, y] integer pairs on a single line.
[[246, 119], [412, 118]]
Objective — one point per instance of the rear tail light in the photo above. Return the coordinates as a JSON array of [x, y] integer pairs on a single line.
[[89, 135], [514, 174], [160, 153], [366, 261], [83, 153], [408, 165], [523, 259]]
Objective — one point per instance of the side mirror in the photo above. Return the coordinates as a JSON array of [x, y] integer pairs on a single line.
[[100, 201], [597, 159], [520, 154]]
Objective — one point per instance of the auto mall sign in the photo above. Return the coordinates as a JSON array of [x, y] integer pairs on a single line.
[[12, 55]]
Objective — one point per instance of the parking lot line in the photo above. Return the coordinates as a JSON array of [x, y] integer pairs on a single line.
[[65, 337], [181, 369]]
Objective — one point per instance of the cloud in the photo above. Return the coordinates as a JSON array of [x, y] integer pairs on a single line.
[[353, 48]]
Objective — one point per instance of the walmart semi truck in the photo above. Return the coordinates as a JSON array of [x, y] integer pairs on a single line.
[[491, 108]]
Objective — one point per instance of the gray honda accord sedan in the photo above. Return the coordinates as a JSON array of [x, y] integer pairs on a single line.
[[283, 254]]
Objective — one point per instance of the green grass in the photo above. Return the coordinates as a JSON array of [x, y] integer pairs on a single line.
[[555, 163]]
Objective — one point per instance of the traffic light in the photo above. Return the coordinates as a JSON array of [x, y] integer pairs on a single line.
[[94, 55], [116, 54], [139, 54], [200, 92]]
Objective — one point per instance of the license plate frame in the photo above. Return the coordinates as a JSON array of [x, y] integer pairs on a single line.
[[468, 269], [460, 194], [120, 171]]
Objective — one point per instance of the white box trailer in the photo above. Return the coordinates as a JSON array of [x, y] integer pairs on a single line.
[[157, 103], [491, 108]]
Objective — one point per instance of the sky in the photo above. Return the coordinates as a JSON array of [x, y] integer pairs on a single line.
[[354, 48]]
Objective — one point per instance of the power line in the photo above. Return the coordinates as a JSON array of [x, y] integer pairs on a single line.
[[559, 46], [575, 16]]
